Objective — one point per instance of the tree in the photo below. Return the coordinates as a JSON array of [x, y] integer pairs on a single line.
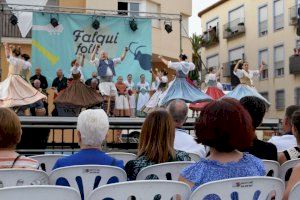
[[196, 41]]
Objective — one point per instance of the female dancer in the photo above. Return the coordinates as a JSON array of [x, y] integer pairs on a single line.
[[180, 88], [78, 64], [143, 89], [122, 108], [246, 87], [14, 90]]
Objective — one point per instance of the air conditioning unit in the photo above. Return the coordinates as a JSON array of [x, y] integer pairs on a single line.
[[295, 65]]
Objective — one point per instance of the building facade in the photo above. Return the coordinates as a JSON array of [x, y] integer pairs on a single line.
[[256, 30]]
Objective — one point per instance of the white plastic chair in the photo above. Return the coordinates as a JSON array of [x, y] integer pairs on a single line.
[[272, 168], [122, 156], [39, 192], [20, 177], [145, 190], [246, 188], [47, 161], [89, 176], [287, 167], [164, 171], [295, 192], [194, 157]]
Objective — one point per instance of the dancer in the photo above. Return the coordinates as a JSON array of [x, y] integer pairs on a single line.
[[246, 87], [131, 94], [143, 89], [106, 72], [122, 103], [78, 64], [180, 88], [27, 65], [14, 90]]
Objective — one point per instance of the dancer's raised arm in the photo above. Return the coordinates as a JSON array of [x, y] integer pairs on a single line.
[[124, 53], [237, 65], [93, 55], [7, 50], [163, 60]]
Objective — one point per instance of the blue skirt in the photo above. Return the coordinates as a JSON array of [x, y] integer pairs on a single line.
[[243, 90], [181, 89]]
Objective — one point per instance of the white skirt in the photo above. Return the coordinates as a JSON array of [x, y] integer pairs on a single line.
[[132, 102], [142, 100], [122, 103]]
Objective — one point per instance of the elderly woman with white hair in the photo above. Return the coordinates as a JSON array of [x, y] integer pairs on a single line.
[[92, 126]]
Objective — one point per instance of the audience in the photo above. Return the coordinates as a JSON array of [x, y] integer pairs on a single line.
[[293, 153], [257, 109], [294, 179], [38, 75], [94, 84], [94, 76], [183, 141], [287, 140], [156, 144], [38, 108], [10, 136], [60, 82], [225, 126]]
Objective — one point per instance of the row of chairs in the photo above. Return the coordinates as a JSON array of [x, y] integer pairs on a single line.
[[283, 172]]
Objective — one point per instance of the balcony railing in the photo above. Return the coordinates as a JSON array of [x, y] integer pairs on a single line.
[[293, 12], [234, 28], [210, 37], [295, 65]]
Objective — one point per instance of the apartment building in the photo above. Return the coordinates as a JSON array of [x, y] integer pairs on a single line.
[[256, 30]]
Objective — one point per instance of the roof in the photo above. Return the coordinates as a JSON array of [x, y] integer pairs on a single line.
[[218, 3]]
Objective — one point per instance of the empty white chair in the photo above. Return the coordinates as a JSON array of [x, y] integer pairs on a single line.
[[122, 156], [272, 168], [86, 178], [245, 188], [164, 171], [19, 177], [47, 161], [39, 192], [145, 190], [295, 192], [286, 169], [194, 157]]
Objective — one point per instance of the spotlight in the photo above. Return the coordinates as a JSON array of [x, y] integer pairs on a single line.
[[168, 26], [96, 24], [13, 20], [54, 22], [133, 25]]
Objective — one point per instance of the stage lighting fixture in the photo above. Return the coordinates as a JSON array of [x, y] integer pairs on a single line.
[[54, 22], [168, 26], [96, 24], [13, 20], [133, 25]]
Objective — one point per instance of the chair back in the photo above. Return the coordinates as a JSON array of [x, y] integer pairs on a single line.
[[39, 192], [163, 171], [47, 161], [146, 190], [20, 177], [194, 157], [85, 178], [295, 192], [272, 168], [246, 188], [287, 168], [122, 156]]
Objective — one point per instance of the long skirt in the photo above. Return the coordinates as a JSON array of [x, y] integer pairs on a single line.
[[122, 108]]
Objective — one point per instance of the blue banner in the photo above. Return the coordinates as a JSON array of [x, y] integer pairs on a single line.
[[54, 48]]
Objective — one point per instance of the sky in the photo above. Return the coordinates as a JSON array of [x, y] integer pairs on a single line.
[[194, 22]]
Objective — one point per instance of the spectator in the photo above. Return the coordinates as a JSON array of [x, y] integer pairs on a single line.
[[225, 126], [60, 82], [10, 136], [293, 153], [294, 179], [94, 84], [257, 109], [287, 140], [38, 75], [183, 141], [92, 126], [38, 108], [89, 81], [156, 144]]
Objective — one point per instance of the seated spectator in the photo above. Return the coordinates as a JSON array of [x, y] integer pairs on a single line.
[[293, 153], [38, 108], [225, 126], [94, 84], [10, 136], [94, 76], [257, 109], [38, 75], [294, 179], [287, 140], [183, 141], [156, 144], [92, 128], [60, 82]]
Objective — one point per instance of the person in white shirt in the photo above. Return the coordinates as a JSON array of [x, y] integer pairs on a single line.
[[178, 109], [78, 64], [287, 140], [131, 94]]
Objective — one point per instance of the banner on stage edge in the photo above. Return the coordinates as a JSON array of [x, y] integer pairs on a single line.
[[55, 48]]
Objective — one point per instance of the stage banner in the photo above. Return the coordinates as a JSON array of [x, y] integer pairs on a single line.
[[54, 48]]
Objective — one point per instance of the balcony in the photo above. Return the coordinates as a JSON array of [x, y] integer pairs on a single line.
[[279, 68], [293, 15], [234, 29], [210, 38], [295, 65]]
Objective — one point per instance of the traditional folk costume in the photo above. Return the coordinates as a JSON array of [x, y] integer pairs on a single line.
[[246, 87], [122, 104], [143, 97], [180, 88], [14, 90], [131, 97]]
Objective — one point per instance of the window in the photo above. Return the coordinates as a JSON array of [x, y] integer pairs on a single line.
[[235, 17], [278, 14], [263, 20], [185, 26], [236, 54], [213, 23], [154, 8], [280, 100], [297, 96], [279, 60], [298, 44], [265, 95], [212, 61], [263, 56], [128, 6]]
